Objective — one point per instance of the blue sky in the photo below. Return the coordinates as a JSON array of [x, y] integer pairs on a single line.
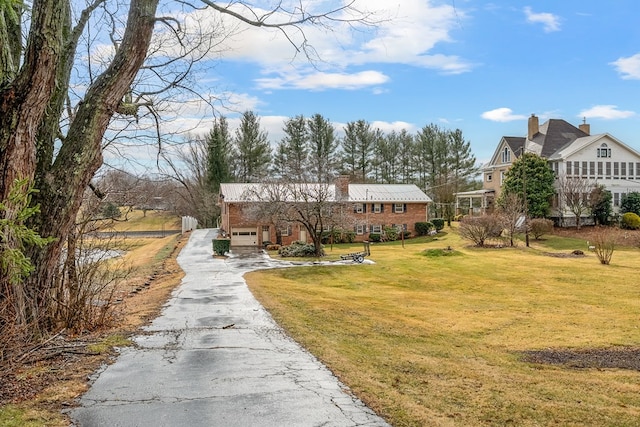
[[480, 66]]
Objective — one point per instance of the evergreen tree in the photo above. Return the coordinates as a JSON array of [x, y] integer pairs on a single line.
[[406, 153], [433, 167], [532, 179], [600, 200], [387, 158], [219, 154], [291, 159], [253, 150], [322, 149], [630, 202], [357, 148]]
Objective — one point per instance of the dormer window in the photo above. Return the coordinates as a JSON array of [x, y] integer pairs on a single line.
[[604, 151], [506, 155]]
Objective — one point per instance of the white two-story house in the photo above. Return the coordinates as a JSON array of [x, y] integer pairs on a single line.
[[573, 153]]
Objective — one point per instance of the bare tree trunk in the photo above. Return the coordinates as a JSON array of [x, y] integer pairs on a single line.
[[22, 112]]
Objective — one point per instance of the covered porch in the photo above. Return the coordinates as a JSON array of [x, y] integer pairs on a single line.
[[475, 203]]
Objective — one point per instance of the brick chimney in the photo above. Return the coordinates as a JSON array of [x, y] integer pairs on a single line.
[[342, 187], [585, 127], [534, 126]]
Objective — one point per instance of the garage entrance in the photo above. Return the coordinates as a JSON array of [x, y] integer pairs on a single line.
[[244, 237]]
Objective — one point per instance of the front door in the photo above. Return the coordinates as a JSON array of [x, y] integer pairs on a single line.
[[303, 235], [266, 236]]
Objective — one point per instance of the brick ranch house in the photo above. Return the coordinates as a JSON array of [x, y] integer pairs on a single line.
[[373, 206]]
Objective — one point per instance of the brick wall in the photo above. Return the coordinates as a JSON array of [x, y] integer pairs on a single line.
[[413, 212]]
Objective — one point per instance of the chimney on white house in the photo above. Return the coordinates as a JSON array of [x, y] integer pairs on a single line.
[[534, 126], [585, 127]]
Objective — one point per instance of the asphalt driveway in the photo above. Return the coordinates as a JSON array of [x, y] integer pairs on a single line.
[[215, 357]]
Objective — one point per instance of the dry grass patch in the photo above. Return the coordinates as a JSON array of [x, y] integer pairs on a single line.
[[34, 393], [438, 340]]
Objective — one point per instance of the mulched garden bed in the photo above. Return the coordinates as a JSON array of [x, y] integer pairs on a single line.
[[601, 358]]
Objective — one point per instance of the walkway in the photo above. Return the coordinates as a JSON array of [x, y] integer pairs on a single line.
[[215, 357]]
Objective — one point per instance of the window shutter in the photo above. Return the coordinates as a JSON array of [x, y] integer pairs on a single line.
[[404, 208], [364, 208], [381, 207]]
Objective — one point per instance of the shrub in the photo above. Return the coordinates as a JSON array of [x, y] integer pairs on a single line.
[[423, 228], [375, 237], [221, 246], [604, 245], [480, 228], [438, 223], [298, 249], [540, 226], [391, 233], [630, 221], [406, 234], [630, 202], [272, 247]]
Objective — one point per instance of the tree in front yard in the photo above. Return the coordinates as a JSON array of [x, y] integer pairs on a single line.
[[532, 179], [574, 194], [630, 202], [312, 206], [600, 199]]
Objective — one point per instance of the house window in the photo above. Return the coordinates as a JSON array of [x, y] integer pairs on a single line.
[[376, 207], [376, 228], [285, 231], [604, 151], [398, 208], [607, 167], [506, 155], [360, 229], [501, 177], [592, 169], [623, 169], [489, 177], [359, 208], [584, 169], [637, 168], [568, 168], [616, 199], [631, 169], [616, 171], [600, 169]]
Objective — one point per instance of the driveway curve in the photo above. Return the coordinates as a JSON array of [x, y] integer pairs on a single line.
[[215, 357]]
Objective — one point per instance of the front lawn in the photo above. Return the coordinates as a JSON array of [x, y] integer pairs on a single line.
[[441, 340]]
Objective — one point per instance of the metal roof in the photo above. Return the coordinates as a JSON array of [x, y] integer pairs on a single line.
[[405, 193], [394, 193]]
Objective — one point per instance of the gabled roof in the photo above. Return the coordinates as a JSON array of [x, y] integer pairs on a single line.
[[358, 193], [555, 134], [582, 143], [515, 143]]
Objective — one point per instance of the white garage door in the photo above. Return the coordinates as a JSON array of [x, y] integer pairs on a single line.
[[244, 237]]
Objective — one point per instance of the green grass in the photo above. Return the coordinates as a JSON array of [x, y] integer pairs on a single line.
[[435, 340]]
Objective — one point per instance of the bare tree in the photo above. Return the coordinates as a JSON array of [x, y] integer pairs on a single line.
[[52, 132], [312, 206], [511, 212], [573, 194], [188, 166]]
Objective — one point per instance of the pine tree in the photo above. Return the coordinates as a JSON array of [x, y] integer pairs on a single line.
[[291, 159], [357, 147], [219, 154], [322, 149], [253, 149]]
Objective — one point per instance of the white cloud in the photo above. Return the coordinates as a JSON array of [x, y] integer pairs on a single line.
[[388, 127], [407, 34], [629, 67], [549, 21], [502, 115], [322, 80], [608, 112]]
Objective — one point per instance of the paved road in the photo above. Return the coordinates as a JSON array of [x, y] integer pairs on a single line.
[[216, 358]]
